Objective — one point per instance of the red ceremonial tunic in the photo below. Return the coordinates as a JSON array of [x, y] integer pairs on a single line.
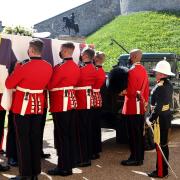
[[137, 81], [45, 99], [100, 79], [87, 79], [29, 79], [61, 86]]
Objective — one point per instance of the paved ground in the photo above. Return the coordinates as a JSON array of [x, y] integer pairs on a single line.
[[108, 166]]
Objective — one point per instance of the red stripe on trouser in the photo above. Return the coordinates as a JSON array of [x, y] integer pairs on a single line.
[[2, 138], [159, 162]]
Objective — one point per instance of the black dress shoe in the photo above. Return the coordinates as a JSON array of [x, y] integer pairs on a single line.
[[131, 163], [21, 178], [95, 156], [84, 164], [4, 168], [12, 162], [59, 172], [154, 174], [45, 156]]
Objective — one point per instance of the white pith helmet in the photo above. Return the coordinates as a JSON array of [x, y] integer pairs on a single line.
[[164, 67]]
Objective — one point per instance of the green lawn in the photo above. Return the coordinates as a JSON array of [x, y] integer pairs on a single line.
[[149, 31]]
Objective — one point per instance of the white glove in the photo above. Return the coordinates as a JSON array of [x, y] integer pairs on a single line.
[[148, 122]]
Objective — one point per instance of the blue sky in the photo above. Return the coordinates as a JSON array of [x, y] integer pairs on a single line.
[[28, 13]]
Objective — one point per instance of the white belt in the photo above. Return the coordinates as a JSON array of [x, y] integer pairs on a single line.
[[65, 95], [83, 88], [96, 90], [28, 90], [62, 88], [26, 97], [88, 95]]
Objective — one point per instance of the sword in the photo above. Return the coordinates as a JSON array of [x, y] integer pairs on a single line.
[[88, 98], [25, 103], [174, 174], [65, 100], [138, 98]]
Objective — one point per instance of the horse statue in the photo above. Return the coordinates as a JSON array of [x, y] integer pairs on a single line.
[[70, 24]]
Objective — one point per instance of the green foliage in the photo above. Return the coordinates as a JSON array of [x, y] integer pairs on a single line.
[[18, 30], [149, 31]]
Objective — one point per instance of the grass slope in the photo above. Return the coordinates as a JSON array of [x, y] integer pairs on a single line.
[[149, 31]]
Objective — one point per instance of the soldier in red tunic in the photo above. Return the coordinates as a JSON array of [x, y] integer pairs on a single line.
[[136, 100], [97, 99], [62, 104], [29, 78], [84, 103]]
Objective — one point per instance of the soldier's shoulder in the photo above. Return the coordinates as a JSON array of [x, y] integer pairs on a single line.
[[160, 83], [82, 65], [158, 87], [47, 62], [25, 61], [132, 67], [60, 64]]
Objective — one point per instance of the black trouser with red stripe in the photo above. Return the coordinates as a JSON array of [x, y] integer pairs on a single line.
[[84, 134], [64, 133], [161, 166], [135, 126], [96, 131], [28, 133], [2, 120], [11, 149]]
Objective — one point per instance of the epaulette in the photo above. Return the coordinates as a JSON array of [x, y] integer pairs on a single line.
[[25, 61], [82, 65], [61, 63], [160, 83]]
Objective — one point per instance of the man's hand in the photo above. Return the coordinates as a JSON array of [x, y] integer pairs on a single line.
[[122, 93], [148, 122]]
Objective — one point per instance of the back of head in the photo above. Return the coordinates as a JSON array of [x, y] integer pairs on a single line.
[[37, 45], [135, 55], [69, 47], [99, 57], [89, 52]]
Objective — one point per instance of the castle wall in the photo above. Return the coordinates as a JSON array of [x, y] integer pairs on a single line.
[[89, 16], [96, 13], [129, 6]]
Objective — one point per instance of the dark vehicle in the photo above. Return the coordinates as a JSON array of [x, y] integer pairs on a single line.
[[112, 103]]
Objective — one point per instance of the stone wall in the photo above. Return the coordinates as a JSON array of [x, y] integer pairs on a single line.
[[96, 13], [128, 6], [89, 16]]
